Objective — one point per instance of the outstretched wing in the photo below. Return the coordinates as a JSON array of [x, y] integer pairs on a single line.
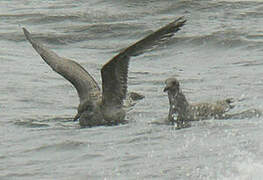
[[114, 73], [67, 68]]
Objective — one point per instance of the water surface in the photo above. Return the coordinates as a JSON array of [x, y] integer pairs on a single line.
[[217, 54]]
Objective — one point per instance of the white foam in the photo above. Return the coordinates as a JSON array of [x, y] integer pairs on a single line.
[[248, 170]]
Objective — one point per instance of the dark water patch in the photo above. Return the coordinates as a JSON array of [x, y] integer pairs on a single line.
[[54, 119], [34, 101], [233, 5], [250, 14], [61, 6], [255, 37], [55, 39], [42, 122], [16, 17], [30, 124], [90, 156], [161, 7], [156, 82], [139, 73], [247, 63], [255, 46], [103, 31], [130, 157], [138, 140], [17, 176], [60, 39], [3, 157], [44, 38], [192, 80], [103, 28], [181, 7], [220, 39], [60, 119], [67, 145], [12, 36], [229, 7], [37, 18], [137, 3], [48, 19]]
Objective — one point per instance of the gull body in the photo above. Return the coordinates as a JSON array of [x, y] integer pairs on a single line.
[[182, 112]]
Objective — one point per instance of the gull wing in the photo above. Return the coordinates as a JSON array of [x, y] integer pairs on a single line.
[[72, 71], [114, 73]]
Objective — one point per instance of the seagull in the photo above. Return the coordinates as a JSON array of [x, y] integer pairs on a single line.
[[103, 107], [181, 112]]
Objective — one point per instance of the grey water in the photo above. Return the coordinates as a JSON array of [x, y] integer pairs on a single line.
[[217, 54]]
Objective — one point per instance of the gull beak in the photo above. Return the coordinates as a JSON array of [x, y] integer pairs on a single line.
[[76, 117], [165, 89]]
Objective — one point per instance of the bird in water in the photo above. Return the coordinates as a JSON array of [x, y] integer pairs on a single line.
[[103, 107], [181, 112]]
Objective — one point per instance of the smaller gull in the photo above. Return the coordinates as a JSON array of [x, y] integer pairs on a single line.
[[181, 112]]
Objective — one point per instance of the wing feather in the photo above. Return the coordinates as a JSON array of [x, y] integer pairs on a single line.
[[114, 73], [72, 71]]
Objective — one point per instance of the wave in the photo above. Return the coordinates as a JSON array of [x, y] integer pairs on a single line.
[[221, 39], [62, 146], [31, 124]]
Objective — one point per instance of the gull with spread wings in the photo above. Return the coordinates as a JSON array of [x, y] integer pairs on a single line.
[[103, 107]]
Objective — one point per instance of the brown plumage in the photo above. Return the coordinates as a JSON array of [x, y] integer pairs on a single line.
[[181, 112], [106, 107]]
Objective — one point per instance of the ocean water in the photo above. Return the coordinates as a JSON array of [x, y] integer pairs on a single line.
[[217, 54]]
